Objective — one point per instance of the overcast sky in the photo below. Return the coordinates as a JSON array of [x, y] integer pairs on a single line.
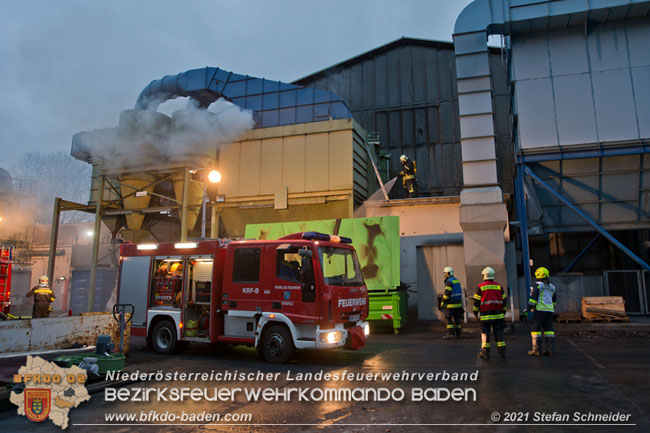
[[68, 66]]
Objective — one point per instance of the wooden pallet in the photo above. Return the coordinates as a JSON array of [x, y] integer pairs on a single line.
[[607, 319], [573, 317]]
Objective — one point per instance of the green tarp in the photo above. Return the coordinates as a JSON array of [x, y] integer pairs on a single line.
[[375, 239]]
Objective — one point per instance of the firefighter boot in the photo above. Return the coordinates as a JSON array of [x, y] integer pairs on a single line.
[[458, 331], [535, 351], [550, 347], [502, 352], [484, 353]]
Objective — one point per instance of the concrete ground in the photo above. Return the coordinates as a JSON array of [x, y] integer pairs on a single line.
[[598, 370]]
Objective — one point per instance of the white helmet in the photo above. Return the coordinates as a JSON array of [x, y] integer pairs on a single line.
[[403, 158], [488, 273], [43, 279], [448, 271]]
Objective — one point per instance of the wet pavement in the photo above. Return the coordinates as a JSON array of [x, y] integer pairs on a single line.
[[591, 374]]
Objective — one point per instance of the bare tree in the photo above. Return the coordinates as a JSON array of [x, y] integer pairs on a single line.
[[57, 174]]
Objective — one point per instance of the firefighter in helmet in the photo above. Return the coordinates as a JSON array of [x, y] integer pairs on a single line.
[[490, 301], [43, 297], [409, 181], [452, 304], [542, 302]]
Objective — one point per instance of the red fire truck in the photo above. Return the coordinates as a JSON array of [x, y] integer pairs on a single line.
[[6, 256], [303, 291]]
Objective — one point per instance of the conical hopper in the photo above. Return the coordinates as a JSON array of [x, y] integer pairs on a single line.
[[129, 184], [114, 223], [194, 199], [135, 236]]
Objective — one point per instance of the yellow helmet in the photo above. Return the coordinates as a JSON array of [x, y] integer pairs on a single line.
[[541, 273], [176, 267], [448, 271], [488, 273]]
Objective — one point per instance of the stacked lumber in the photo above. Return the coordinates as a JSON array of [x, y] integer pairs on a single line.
[[604, 309]]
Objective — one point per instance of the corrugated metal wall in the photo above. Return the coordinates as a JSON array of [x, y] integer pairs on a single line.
[[576, 87], [407, 92], [578, 90]]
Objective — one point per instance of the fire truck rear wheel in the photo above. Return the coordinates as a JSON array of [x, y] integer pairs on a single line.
[[277, 345], [164, 338]]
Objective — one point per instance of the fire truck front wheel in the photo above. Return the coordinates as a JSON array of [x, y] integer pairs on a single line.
[[277, 345], [164, 338]]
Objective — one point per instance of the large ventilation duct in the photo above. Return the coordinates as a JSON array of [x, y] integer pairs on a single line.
[[273, 103], [483, 215]]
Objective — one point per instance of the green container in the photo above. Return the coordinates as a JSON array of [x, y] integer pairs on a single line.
[[388, 305], [105, 363]]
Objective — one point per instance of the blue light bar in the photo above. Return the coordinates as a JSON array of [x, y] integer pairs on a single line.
[[315, 236]]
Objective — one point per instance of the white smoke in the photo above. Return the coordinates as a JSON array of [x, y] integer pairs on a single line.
[[146, 137]]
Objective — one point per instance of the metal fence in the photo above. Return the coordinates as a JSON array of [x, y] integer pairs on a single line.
[[633, 286]]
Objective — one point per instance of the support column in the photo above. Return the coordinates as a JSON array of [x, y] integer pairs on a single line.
[[95, 254], [54, 236], [186, 195]]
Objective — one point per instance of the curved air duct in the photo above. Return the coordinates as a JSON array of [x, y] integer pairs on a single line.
[[273, 103]]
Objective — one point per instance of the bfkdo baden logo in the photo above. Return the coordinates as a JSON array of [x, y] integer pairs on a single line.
[[43, 390], [37, 404]]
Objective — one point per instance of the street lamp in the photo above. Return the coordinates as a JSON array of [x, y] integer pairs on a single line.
[[210, 178], [214, 176]]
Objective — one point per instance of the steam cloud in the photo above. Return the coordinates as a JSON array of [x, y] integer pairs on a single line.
[[148, 137]]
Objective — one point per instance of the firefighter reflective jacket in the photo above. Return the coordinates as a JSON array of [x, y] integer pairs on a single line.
[[453, 297], [542, 297], [408, 170], [490, 299], [41, 294]]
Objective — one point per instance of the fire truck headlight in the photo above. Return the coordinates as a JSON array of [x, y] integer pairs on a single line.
[[330, 337], [366, 329]]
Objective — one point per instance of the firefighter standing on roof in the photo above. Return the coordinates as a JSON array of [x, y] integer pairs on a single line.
[[409, 181], [542, 302], [490, 301], [452, 303], [43, 296]]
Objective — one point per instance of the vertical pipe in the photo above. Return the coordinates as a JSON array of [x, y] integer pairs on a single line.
[[522, 214], [96, 235], [186, 194], [54, 235]]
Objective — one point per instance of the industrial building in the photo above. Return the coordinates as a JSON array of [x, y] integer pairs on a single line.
[[528, 153], [579, 75]]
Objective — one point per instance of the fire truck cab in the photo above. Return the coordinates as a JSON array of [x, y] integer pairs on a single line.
[[303, 291]]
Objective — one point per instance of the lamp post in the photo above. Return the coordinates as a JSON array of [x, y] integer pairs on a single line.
[[214, 177], [210, 179]]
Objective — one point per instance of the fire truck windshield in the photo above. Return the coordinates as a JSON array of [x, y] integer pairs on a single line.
[[340, 266]]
